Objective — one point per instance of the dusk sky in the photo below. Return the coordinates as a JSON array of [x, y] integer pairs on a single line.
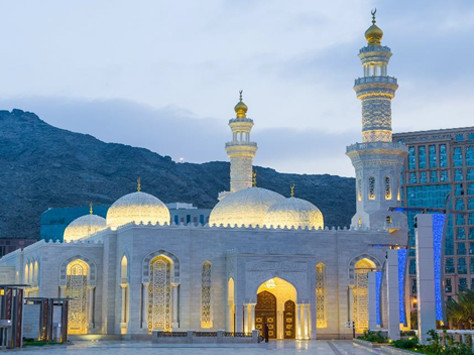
[[165, 75]]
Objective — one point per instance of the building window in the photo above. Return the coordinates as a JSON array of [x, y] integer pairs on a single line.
[[443, 161], [413, 286], [433, 176], [457, 175], [433, 160], [460, 233], [388, 188], [371, 188], [462, 284], [470, 156], [470, 174], [460, 204], [125, 289], [462, 269], [470, 204], [423, 179], [471, 267], [471, 248], [448, 286], [459, 191], [206, 318], [472, 284], [471, 232], [321, 302], [411, 158], [412, 178], [359, 189], [461, 249], [422, 157], [449, 266], [444, 177], [457, 157]]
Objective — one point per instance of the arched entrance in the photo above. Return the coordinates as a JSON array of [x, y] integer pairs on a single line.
[[360, 294], [276, 306], [76, 290]]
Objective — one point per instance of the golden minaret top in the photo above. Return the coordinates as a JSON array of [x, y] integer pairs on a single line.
[[374, 34], [241, 108]]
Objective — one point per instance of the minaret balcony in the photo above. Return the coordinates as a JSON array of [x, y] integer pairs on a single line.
[[240, 144], [377, 145], [375, 79]]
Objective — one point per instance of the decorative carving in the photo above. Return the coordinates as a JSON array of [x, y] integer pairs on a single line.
[[206, 320], [321, 301], [76, 290], [159, 295]]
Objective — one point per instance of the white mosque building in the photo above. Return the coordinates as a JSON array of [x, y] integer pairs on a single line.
[[263, 257]]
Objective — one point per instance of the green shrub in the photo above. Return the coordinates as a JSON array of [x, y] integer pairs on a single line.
[[373, 337], [409, 343]]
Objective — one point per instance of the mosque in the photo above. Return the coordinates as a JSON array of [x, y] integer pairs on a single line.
[[263, 257]]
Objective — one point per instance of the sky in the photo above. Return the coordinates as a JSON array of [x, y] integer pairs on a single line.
[[165, 75]]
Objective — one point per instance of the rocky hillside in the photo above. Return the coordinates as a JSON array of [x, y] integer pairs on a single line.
[[43, 166]]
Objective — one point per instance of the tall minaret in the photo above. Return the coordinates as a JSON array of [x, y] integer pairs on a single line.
[[240, 150], [377, 161]]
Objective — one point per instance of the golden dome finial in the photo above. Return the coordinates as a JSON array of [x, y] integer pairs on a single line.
[[292, 190], [91, 211], [241, 108], [374, 34], [254, 178], [139, 184]]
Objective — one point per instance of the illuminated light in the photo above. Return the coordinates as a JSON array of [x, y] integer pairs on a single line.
[[438, 227], [84, 226], [181, 160], [270, 284], [402, 257], [414, 300], [2, 292]]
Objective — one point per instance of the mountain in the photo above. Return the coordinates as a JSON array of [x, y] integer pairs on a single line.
[[42, 166]]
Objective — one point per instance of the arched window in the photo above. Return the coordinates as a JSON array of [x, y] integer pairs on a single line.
[[159, 294], [30, 277], [206, 317], [35, 273], [76, 289], [359, 190], [360, 293], [230, 306], [26, 274], [388, 219], [388, 188], [125, 290], [321, 300], [359, 222], [371, 188]]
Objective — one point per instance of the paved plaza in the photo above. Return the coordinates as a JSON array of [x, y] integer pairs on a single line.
[[321, 347]]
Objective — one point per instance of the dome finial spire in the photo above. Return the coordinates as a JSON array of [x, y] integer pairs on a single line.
[[240, 95], [292, 190], [373, 12], [91, 211], [254, 178], [139, 184]]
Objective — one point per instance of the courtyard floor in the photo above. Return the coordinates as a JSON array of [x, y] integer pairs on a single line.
[[317, 347]]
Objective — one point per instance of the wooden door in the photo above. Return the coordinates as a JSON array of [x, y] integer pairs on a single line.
[[289, 320], [265, 312]]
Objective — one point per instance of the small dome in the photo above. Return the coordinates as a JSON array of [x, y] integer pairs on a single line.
[[84, 226], [244, 208], [138, 207], [294, 213], [241, 108], [374, 34]]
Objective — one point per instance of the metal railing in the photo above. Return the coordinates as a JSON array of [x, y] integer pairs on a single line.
[[375, 79], [377, 145], [237, 334], [239, 143]]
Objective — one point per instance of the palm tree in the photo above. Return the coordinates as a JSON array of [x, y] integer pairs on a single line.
[[461, 312]]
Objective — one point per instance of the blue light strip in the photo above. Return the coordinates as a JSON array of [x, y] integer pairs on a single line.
[[378, 291], [438, 226], [402, 259]]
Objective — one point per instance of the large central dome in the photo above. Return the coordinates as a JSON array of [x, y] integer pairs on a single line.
[[245, 208], [294, 213], [137, 207]]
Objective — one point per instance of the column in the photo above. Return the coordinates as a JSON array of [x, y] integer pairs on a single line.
[[252, 317], [304, 322], [246, 318], [308, 321], [145, 305], [280, 313], [425, 275], [123, 313], [62, 291], [230, 317], [372, 290], [298, 322], [392, 295], [175, 305], [239, 326], [91, 306]]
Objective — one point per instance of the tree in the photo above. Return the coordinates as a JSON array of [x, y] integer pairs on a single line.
[[461, 312]]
